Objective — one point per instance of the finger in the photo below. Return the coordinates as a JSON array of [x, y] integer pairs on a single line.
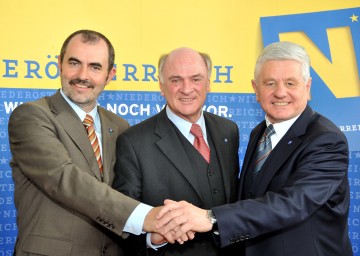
[[169, 237], [174, 225], [172, 218], [180, 241], [182, 230], [191, 235], [184, 237], [170, 206], [168, 201]]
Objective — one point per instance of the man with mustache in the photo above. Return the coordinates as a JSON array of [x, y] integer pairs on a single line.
[[63, 150]]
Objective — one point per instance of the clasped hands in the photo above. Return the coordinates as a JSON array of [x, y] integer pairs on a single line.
[[176, 222]]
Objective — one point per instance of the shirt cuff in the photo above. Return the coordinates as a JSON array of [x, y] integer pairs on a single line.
[[135, 222]]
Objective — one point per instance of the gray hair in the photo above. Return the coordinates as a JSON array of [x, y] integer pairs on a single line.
[[285, 51], [163, 58]]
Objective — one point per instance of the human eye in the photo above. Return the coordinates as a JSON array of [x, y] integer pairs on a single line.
[[175, 81], [290, 84], [96, 68], [197, 80], [270, 84], [73, 63]]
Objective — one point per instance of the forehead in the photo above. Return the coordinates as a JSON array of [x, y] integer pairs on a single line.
[[96, 50], [281, 67], [184, 62]]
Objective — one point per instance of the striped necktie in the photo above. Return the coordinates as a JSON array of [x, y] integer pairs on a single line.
[[199, 142], [263, 149], [89, 126]]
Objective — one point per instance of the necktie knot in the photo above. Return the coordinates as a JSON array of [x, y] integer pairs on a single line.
[[196, 130], [269, 131], [88, 120]]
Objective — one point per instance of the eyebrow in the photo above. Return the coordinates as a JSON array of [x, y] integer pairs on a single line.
[[95, 64], [177, 76]]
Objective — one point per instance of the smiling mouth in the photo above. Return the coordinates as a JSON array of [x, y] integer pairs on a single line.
[[81, 83], [281, 103], [186, 99], [83, 86]]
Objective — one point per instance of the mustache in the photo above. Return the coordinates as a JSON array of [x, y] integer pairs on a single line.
[[80, 81]]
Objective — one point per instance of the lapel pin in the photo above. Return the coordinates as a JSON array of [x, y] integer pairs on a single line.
[[111, 130], [225, 140], [290, 142]]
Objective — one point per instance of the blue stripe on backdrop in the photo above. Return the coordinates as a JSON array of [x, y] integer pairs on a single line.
[[137, 106]]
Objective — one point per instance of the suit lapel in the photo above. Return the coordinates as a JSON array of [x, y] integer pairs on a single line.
[[74, 128], [247, 164], [283, 150], [171, 147], [222, 150]]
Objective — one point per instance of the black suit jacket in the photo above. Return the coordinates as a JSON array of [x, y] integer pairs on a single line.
[[152, 164], [299, 205]]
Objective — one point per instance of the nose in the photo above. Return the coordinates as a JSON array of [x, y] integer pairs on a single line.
[[83, 73], [280, 91], [186, 87]]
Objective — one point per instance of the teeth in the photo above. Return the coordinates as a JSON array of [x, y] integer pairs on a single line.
[[281, 103], [81, 86], [187, 100]]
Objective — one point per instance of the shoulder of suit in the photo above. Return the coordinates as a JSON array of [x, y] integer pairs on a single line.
[[112, 116], [40, 104]]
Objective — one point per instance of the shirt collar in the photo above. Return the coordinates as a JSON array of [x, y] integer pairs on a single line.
[[81, 113], [185, 126], [282, 127]]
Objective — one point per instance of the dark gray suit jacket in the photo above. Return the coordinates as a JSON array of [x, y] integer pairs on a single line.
[[299, 205], [63, 207], [152, 165]]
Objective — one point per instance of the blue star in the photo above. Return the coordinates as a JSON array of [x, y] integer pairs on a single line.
[[232, 98], [357, 155]]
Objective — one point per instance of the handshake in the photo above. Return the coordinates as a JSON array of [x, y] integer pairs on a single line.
[[176, 222]]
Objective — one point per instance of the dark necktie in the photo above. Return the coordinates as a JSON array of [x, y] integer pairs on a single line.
[[263, 149], [89, 126], [199, 142]]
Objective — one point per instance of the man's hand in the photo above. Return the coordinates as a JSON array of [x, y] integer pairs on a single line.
[[178, 218], [151, 223], [157, 239]]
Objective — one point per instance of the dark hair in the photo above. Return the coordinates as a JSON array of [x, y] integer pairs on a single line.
[[90, 36]]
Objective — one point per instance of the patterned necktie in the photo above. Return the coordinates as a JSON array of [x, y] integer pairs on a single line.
[[199, 142], [263, 149], [89, 126]]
